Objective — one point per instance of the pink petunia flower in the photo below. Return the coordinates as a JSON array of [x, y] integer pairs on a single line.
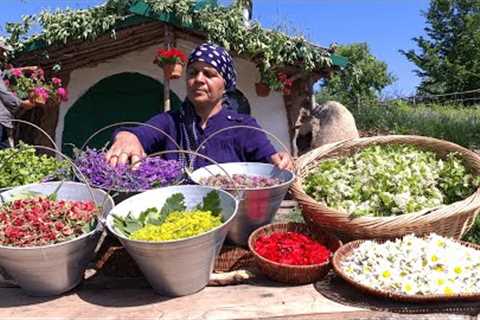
[[57, 82], [41, 92], [17, 73], [62, 93]]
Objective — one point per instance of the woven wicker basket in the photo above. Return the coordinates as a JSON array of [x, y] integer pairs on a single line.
[[346, 250], [290, 274], [452, 220]]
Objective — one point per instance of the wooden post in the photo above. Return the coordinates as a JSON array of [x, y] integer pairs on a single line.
[[168, 41]]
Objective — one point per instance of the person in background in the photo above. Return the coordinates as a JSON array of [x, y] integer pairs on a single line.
[[210, 76], [9, 103]]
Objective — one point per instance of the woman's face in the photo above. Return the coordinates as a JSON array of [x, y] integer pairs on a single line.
[[204, 84]]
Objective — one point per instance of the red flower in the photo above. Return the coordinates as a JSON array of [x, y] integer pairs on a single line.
[[40, 221], [167, 56], [292, 248]]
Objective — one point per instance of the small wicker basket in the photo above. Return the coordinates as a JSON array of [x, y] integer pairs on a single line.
[[292, 274], [451, 220], [347, 249]]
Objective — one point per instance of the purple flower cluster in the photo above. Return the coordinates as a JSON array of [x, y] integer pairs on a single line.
[[152, 172]]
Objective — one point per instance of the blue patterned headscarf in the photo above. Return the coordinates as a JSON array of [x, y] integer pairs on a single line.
[[218, 58]]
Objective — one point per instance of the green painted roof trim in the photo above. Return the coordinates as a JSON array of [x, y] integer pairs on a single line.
[[338, 60]]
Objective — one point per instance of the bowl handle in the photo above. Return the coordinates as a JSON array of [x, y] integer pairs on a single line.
[[284, 147]]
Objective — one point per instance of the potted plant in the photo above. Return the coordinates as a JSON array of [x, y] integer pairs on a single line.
[[172, 61], [262, 89], [30, 83]]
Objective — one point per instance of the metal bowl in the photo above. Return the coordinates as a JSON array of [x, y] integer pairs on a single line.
[[57, 268], [258, 206], [177, 267]]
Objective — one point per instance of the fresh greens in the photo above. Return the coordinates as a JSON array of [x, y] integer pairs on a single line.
[[271, 49], [22, 165], [390, 180], [211, 202], [154, 216]]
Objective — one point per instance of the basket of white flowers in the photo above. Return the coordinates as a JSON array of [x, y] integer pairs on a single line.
[[389, 186]]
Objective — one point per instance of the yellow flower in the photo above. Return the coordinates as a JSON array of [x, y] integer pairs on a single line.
[[448, 291], [458, 269], [439, 268], [386, 274]]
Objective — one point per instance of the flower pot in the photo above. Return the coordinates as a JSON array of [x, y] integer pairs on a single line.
[[38, 100], [262, 89], [173, 71]]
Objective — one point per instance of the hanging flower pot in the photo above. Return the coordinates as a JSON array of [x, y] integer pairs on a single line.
[[173, 71], [172, 61], [262, 89]]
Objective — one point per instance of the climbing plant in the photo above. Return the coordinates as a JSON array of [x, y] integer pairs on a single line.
[[223, 25]]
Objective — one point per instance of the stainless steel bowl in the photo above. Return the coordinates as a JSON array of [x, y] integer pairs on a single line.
[[57, 268], [257, 207], [177, 267]]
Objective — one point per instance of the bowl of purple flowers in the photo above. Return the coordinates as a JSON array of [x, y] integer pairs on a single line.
[[123, 180]]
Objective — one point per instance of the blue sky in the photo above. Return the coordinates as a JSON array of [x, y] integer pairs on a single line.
[[386, 25]]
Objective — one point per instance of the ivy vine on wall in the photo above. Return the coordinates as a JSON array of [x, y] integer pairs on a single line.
[[223, 25]]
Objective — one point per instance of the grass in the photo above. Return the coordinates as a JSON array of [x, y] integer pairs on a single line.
[[454, 123]]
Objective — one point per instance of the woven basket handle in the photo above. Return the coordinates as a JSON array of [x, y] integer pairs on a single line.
[[188, 169], [33, 125], [254, 128], [169, 137]]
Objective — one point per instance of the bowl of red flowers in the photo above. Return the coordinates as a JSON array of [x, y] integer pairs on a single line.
[[293, 253]]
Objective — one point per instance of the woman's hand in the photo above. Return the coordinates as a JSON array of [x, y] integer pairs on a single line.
[[126, 148], [282, 160]]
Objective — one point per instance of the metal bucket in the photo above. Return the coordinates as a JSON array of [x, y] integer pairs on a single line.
[[178, 267], [57, 268], [257, 207]]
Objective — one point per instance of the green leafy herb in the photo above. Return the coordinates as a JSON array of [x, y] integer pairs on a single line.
[[153, 216], [211, 202], [127, 225], [176, 202]]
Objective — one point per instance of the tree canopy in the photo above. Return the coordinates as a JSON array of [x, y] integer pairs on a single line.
[[361, 81], [448, 58]]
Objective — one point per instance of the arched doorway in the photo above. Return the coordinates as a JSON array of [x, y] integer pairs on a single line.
[[121, 97]]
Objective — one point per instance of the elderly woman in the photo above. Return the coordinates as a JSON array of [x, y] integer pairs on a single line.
[[210, 74]]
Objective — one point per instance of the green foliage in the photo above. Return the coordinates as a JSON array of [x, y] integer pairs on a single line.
[[22, 165], [211, 202], [454, 123], [225, 26], [390, 180], [154, 216], [176, 202], [362, 80], [448, 59]]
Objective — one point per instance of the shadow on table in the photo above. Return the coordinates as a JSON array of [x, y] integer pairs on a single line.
[[100, 289], [336, 289], [16, 297]]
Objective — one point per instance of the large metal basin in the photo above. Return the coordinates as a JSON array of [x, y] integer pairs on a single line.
[[54, 269], [257, 207], [177, 267]]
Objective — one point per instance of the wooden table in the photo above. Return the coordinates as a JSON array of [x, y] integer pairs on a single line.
[[103, 297], [99, 298]]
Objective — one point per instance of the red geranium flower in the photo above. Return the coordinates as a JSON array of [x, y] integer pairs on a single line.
[[292, 248], [169, 56]]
